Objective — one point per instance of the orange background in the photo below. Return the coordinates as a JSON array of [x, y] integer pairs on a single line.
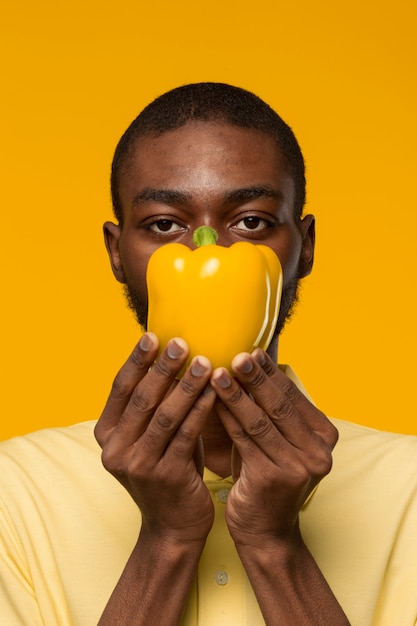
[[76, 73]]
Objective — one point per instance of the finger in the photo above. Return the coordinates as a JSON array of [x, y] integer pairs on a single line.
[[288, 396], [150, 392], [247, 424], [272, 398], [268, 414], [297, 450], [125, 382], [187, 441], [177, 423]]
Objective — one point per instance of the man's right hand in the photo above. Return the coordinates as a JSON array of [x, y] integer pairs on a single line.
[[149, 433]]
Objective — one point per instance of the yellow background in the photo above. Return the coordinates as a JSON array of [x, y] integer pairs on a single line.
[[74, 74]]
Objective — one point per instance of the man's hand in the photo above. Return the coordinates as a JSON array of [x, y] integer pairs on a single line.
[[149, 432], [284, 444]]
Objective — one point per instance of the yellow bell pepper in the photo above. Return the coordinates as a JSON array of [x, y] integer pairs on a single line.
[[222, 301]]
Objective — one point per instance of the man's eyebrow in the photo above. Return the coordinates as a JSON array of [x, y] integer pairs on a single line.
[[162, 196], [252, 193], [176, 197]]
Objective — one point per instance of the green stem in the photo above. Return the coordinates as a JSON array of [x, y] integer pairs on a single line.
[[204, 236]]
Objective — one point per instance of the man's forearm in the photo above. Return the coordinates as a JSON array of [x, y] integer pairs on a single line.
[[155, 584], [289, 586]]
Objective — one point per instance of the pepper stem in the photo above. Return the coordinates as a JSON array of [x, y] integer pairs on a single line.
[[204, 236]]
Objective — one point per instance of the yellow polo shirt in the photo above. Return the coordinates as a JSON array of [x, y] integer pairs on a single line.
[[67, 529]]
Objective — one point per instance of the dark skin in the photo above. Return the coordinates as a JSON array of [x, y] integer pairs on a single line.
[[157, 434]]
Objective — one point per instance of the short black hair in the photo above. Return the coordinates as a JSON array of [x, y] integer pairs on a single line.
[[210, 102]]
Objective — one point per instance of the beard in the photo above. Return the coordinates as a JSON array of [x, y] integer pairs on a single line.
[[289, 300], [137, 304]]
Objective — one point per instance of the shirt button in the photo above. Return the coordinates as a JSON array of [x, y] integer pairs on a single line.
[[222, 495], [221, 577]]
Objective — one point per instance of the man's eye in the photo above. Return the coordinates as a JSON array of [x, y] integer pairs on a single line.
[[252, 222], [164, 226]]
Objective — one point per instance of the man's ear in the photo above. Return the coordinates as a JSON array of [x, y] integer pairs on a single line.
[[111, 239], [308, 232]]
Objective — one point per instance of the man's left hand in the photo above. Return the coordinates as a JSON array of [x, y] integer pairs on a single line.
[[285, 446]]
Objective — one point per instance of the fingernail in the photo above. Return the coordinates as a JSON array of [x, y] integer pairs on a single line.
[[199, 366], [259, 356], [223, 379], [145, 343], [175, 349], [243, 363]]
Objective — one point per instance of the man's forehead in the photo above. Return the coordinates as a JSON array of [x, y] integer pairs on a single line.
[[207, 143], [205, 158]]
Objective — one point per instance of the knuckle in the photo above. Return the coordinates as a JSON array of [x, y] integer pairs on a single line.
[[162, 368], [269, 367], [183, 439], [235, 396], [164, 420], [121, 388], [300, 476], [258, 379], [321, 462], [283, 410], [139, 400], [290, 390], [188, 385], [260, 425], [241, 435], [292, 477], [333, 434], [328, 431], [137, 358], [303, 477], [324, 463], [112, 463]]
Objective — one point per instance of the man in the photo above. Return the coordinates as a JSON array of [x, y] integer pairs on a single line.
[[219, 514]]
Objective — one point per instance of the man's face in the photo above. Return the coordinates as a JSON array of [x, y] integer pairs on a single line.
[[230, 178]]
